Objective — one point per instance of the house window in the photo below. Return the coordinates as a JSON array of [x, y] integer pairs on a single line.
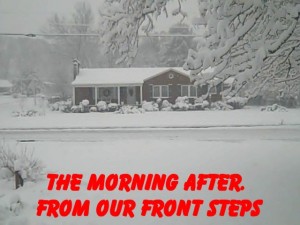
[[189, 91], [160, 91]]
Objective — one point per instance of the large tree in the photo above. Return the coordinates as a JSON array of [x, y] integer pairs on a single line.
[[174, 48], [256, 42], [75, 40]]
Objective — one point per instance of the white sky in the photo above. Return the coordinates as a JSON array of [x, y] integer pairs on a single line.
[[28, 16]]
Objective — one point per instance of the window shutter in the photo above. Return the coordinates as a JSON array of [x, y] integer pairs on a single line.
[[199, 91], [170, 90], [150, 91]]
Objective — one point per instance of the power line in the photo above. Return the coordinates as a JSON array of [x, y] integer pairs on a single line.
[[91, 35]]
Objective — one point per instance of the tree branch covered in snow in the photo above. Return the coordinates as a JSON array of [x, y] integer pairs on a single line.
[[254, 41], [121, 21]]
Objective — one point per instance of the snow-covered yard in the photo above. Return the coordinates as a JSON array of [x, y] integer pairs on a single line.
[[250, 116], [270, 170], [268, 158]]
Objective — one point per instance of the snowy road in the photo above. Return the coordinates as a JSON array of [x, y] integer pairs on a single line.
[[288, 133]]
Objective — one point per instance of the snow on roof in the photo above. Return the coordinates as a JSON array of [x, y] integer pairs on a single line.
[[5, 84], [119, 76]]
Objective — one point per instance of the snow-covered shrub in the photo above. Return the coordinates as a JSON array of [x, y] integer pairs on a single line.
[[166, 104], [93, 109], [150, 106], [274, 108], [23, 161], [237, 102], [65, 106], [85, 106], [159, 103], [54, 106], [102, 106], [181, 104], [112, 107], [201, 104], [62, 106], [221, 106], [28, 113], [127, 109], [76, 109], [85, 102]]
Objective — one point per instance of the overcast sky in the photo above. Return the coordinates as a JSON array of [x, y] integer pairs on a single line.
[[28, 16]]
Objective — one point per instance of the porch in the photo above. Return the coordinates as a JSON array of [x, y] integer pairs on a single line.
[[128, 95]]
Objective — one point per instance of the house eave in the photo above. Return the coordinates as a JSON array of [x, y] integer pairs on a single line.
[[108, 85], [165, 71]]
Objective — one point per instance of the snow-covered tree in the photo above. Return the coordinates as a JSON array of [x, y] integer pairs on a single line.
[[256, 42], [121, 21], [173, 50], [80, 45]]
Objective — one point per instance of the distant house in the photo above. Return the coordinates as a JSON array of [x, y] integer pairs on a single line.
[[5, 86], [131, 85]]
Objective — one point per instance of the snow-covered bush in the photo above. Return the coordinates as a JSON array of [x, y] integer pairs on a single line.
[[75, 109], [85, 102], [54, 106], [237, 102], [28, 113], [150, 106], [112, 107], [127, 109], [159, 103], [181, 104], [65, 106], [201, 104], [274, 108], [62, 106], [23, 161], [102, 106], [166, 105], [85, 106], [93, 109], [220, 106]]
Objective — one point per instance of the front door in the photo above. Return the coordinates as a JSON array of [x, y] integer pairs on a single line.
[[131, 95]]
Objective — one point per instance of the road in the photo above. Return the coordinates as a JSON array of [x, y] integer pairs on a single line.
[[284, 133]]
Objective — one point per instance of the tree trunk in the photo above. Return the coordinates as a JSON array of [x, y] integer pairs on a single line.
[[18, 180]]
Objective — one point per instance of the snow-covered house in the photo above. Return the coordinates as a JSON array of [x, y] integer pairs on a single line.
[[131, 85], [5, 86]]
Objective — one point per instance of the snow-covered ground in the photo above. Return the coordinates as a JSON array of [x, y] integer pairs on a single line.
[[270, 170], [268, 158], [245, 117]]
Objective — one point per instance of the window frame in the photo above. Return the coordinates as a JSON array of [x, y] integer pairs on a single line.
[[160, 87], [189, 91]]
